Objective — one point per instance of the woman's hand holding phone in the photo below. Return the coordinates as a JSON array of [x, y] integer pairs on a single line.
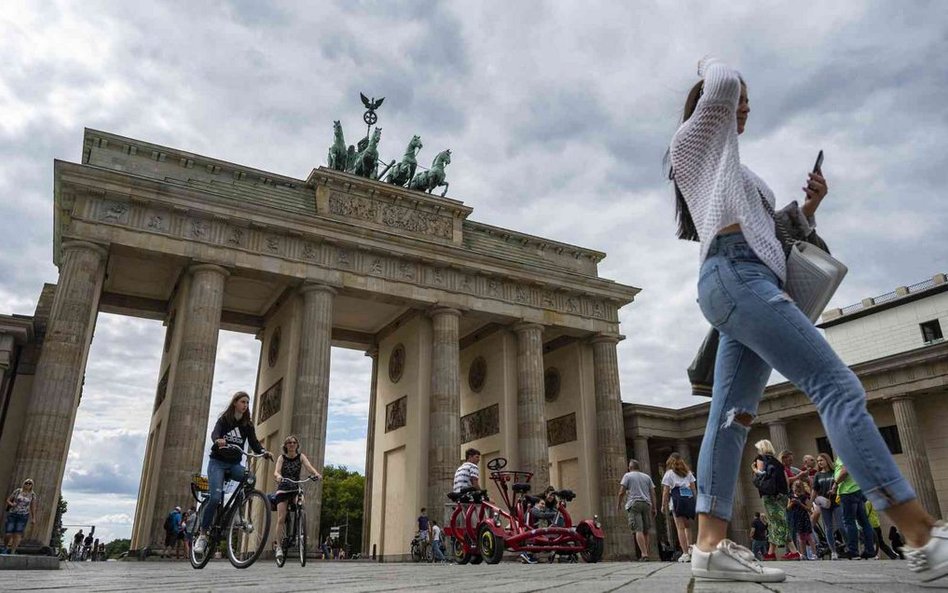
[[815, 189]]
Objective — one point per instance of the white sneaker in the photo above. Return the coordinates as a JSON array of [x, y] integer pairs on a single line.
[[931, 560], [279, 552], [200, 545], [834, 555], [686, 556], [732, 562]]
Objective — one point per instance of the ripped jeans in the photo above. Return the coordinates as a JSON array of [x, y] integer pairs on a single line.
[[762, 329]]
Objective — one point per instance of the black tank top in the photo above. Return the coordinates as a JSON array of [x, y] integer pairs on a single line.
[[291, 467]]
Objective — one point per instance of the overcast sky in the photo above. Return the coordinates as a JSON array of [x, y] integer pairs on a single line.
[[557, 115]]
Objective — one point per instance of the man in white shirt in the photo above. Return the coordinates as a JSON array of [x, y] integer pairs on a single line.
[[468, 475], [436, 542], [637, 497]]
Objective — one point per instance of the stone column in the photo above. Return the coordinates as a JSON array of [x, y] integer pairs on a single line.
[[444, 422], [919, 471], [373, 353], [311, 400], [532, 445], [190, 397], [684, 449], [778, 436], [57, 386], [740, 525], [640, 451], [610, 441]]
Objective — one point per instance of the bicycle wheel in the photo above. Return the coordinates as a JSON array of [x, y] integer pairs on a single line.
[[201, 560], [301, 536], [248, 529]]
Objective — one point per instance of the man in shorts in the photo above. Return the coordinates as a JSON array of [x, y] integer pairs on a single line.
[[637, 497]]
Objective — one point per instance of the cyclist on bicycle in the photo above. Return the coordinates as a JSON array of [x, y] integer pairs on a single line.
[[288, 467], [231, 432]]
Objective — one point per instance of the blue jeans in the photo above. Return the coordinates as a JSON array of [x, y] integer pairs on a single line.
[[854, 510], [762, 329], [436, 551], [760, 548], [831, 518], [215, 481]]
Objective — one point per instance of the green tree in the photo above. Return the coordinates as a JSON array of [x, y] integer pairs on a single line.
[[56, 538], [117, 547], [343, 493]]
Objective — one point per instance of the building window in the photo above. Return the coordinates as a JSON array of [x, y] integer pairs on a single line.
[[823, 446], [931, 331], [890, 434]]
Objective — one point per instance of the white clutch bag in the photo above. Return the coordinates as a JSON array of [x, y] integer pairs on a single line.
[[812, 278]]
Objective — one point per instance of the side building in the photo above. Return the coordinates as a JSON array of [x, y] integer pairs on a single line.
[[895, 344]]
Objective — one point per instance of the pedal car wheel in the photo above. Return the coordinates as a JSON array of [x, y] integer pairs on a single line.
[[492, 547], [594, 548], [460, 556], [476, 558]]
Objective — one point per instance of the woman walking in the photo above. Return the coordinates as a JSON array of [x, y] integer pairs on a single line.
[[21, 506], [678, 486], [726, 207], [775, 499]]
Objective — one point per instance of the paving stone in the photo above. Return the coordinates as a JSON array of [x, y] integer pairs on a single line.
[[508, 577]]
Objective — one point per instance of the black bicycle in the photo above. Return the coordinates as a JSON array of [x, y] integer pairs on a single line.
[[243, 522], [294, 532]]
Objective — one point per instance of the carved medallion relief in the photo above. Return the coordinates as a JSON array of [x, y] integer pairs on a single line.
[[477, 374], [551, 384], [396, 363], [273, 352]]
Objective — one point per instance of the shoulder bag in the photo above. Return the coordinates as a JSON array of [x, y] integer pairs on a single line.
[[813, 275]]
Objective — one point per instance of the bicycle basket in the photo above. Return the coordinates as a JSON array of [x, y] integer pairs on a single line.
[[200, 483]]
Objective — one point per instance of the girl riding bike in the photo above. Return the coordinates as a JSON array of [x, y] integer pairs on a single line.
[[233, 429], [288, 467]]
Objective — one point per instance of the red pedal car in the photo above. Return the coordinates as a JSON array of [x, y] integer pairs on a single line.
[[482, 530]]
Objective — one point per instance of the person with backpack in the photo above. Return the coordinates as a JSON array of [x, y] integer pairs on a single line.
[[678, 486], [172, 526], [771, 483]]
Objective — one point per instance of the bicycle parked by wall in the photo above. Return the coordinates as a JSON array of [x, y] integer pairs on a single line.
[[242, 523], [294, 533]]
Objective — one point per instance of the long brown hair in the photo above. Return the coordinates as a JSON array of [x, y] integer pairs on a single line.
[[829, 460], [231, 416], [677, 464]]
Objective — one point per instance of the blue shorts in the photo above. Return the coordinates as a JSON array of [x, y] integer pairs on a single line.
[[16, 523]]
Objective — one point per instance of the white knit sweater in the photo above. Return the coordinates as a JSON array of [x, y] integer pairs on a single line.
[[707, 167]]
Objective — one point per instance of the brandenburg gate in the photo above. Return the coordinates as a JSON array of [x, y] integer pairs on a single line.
[[479, 336]]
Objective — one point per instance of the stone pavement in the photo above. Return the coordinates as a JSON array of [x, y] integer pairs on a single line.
[[343, 577]]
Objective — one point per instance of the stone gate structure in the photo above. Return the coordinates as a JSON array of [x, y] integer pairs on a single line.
[[479, 336]]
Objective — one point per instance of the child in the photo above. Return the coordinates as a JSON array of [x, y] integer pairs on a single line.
[[800, 516]]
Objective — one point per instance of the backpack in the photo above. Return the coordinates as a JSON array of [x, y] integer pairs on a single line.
[[169, 525], [772, 481]]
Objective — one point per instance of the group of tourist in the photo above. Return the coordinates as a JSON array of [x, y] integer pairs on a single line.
[[178, 528]]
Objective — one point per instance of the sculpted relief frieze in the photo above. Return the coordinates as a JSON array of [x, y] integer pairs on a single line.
[[391, 215], [270, 241]]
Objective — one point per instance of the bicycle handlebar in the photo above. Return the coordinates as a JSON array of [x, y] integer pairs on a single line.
[[246, 453], [309, 479]]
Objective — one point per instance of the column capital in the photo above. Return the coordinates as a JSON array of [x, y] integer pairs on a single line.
[[101, 250], [438, 310], [205, 267], [372, 352], [525, 326], [606, 339], [317, 287], [900, 397], [778, 422]]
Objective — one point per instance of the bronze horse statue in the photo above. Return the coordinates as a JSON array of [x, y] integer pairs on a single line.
[[402, 173], [365, 162], [433, 177], [338, 157]]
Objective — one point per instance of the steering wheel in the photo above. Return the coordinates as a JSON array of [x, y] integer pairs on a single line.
[[496, 464]]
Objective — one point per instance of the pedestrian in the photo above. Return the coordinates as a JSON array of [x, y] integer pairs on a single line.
[[190, 523], [758, 536], [678, 487], [799, 515], [771, 482], [877, 531], [77, 546], [793, 474], [854, 512], [172, 526], [895, 539], [21, 509], [824, 500], [730, 210], [437, 549], [637, 498], [424, 533]]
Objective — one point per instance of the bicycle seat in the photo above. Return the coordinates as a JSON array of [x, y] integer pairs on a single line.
[[521, 487], [566, 495], [454, 496]]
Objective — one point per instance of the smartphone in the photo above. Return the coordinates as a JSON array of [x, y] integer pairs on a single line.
[[818, 166]]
